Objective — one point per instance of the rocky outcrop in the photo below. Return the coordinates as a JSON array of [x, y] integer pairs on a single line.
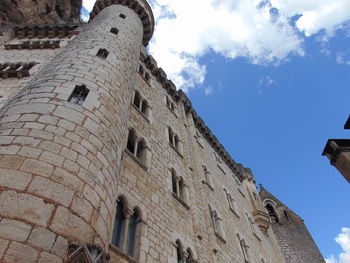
[[39, 11]]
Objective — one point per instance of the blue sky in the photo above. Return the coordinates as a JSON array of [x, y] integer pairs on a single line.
[[271, 78]]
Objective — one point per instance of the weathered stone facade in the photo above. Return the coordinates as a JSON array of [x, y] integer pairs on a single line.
[[338, 153], [93, 125]]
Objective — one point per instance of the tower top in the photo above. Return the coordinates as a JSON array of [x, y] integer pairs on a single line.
[[141, 7]]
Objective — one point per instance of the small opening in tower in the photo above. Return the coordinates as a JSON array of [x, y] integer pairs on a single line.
[[79, 95], [102, 53], [122, 16], [114, 31]]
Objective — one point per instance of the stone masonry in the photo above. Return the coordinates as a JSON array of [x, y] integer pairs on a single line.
[[65, 163]]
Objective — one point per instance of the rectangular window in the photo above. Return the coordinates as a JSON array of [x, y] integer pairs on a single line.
[[114, 31], [79, 95], [102, 53]]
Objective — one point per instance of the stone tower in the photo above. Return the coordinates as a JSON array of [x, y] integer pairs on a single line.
[[102, 159], [295, 241], [63, 134]]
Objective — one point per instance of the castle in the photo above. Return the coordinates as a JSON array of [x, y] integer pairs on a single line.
[[103, 160]]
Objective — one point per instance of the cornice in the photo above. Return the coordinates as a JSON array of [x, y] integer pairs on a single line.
[[141, 7]]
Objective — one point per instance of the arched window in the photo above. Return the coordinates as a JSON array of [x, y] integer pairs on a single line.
[[183, 256], [137, 99], [141, 151], [207, 177], [190, 258], [137, 146], [131, 141], [216, 223], [126, 229], [132, 233], [174, 139], [231, 203], [174, 181], [179, 251], [244, 248], [272, 213], [144, 107], [119, 226]]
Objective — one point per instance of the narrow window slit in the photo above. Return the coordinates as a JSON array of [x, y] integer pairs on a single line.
[[122, 16]]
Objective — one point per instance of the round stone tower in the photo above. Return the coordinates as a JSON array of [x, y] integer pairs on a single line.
[[63, 135]]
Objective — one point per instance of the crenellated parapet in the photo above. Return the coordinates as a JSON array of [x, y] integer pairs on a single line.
[[141, 7]]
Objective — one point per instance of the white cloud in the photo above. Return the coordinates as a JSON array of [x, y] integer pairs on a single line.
[[264, 31], [343, 239], [341, 58], [89, 4], [208, 90], [265, 82]]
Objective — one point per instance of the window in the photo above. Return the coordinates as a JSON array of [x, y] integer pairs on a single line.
[[244, 248], [79, 95], [252, 225], [137, 147], [272, 213], [126, 231], [231, 203], [178, 185], [207, 178], [141, 104], [170, 104], [145, 75], [122, 16], [114, 31], [102, 53], [217, 224], [199, 139], [174, 139], [183, 256]]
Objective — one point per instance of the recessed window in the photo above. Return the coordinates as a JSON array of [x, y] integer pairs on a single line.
[[114, 31], [79, 95], [102, 53], [137, 147], [174, 139], [272, 213], [126, 231], [141, 104], [217, 223], [122, 16]]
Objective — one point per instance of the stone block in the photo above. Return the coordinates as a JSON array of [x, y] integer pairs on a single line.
[[52, 158], [25, 206], [51, 190], [29, 152], [49, 258], [20, 253], [69, 225], [3, 246], [60, 247], [14, 230], [11, 161], [67, 179], [14, 179], [43, 238], [37, 167]]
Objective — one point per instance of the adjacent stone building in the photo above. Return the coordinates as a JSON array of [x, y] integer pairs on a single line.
[[338, 153], [102, 159]]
